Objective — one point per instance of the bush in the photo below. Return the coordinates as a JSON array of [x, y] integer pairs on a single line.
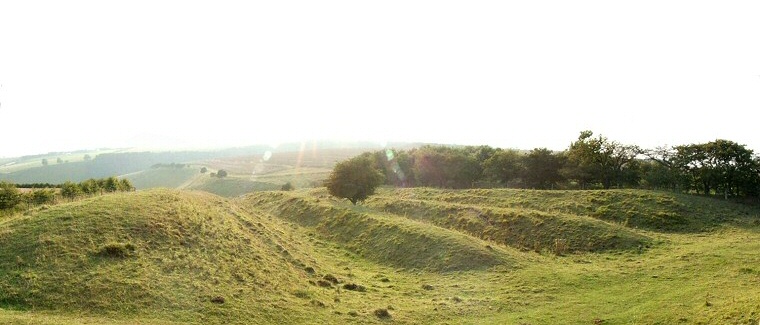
[[125, 185], [287, 187], [9, 196], [70, 190], [40, 197]]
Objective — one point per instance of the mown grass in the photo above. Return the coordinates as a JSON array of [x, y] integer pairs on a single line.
[[166, 257]]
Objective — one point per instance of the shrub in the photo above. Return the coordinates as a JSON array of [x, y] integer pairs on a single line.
[[44, 196], [71, 190], [9, 196]]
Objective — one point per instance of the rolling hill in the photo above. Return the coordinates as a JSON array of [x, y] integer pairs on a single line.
[[405, 256]]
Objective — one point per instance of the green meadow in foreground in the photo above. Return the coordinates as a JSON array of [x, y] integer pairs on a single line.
[[404, 256]]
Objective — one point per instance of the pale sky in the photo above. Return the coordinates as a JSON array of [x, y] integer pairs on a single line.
[[519, 74]]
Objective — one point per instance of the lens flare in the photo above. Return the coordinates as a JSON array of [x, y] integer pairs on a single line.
[[389, 154]]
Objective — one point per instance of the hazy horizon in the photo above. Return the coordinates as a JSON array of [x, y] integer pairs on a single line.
[[89, 74]]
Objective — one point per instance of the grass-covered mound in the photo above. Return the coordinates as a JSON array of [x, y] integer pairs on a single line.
[[385, 238], [652, 210], [518, 227], [185, 256]]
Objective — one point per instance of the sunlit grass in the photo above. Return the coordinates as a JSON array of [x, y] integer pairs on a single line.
[[166, 257]]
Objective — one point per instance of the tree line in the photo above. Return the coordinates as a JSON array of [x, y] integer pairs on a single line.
[[12, 198], [90, 187], [719, 167]]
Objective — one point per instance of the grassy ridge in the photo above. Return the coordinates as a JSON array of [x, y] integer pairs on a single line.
[[658, 211], [523, 228], [385, 238]]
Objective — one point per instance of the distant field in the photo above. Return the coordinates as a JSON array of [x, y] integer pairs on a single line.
[[278, 161], [11, 165], [236, 185], [233, 186], [406, 256], [102, 165], [162, 177], [305, 167]]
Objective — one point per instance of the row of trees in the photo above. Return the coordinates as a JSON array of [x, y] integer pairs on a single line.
[[718, 167], [11, 197], [61, 161], [219, 174], [91, 187]]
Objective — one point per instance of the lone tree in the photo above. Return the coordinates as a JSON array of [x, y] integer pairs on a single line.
[[354, 179], [221, 173], [204, 170]]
